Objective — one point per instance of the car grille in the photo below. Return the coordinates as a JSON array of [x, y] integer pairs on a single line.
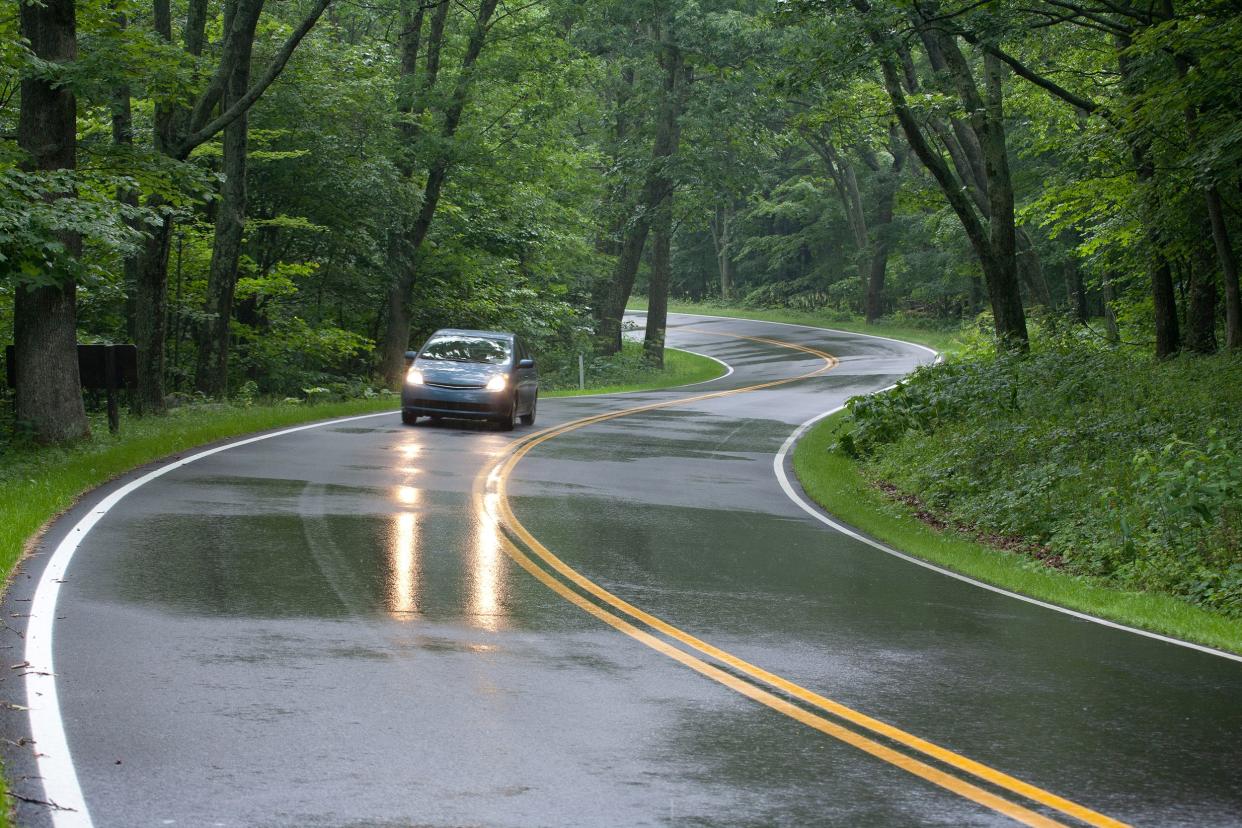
[[455, 387], [450, 405]]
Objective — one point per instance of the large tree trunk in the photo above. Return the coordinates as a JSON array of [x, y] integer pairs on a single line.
[[617, 292], [212, 366], [1164, 299], [49, 392], [1201, 301], [994, 242], [656, 194], [882, 226], [397, 325], [149, 323], [657, 290], [1229, 270]]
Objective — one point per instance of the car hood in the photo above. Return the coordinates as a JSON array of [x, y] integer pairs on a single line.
[[445, 372]]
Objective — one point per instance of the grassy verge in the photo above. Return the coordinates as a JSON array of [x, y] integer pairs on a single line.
[[941, 340], [680, 368], [834, 481]]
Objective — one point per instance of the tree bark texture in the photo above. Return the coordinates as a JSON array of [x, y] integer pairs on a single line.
[[1201, 300], [397, 324], [212, 364], [49, 389], [1229, 270], [656, 193], [657, 290], [993, 241], [722, 240], [1164, 299]]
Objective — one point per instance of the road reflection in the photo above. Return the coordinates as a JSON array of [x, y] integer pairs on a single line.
[[482, 598], [486, 572], [404, 562]]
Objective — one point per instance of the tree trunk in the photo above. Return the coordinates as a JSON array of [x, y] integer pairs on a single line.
[[993, 243], [49, 389], [1201, 301], [397, 326], [619, 287], [657, 191], [1031, 270], [1229, 270], [1164, 300], [212, 366], [149, 323], [722, 239], [657, 290], [882, 227]]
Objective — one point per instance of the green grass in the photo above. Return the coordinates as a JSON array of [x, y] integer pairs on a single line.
[[943, 340], [834, 481], [680, 368]]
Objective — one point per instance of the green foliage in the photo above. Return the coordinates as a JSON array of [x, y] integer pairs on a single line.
[[1123, 467]]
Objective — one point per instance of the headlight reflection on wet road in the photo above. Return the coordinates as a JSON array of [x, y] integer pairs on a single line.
[[404, 561], [486, 572], [404, 554]]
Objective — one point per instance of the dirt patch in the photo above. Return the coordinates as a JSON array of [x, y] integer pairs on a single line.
[[940, 522]]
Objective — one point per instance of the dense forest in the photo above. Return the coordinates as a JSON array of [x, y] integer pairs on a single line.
[[270, 199]]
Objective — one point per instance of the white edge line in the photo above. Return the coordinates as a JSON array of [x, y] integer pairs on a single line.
[[778, 466], [47, 728], [811, 327]]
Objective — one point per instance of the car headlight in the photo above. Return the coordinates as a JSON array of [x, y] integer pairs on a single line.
[[497, 383], [414, 376]]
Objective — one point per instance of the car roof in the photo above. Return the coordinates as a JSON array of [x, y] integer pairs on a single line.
[[467, 332]]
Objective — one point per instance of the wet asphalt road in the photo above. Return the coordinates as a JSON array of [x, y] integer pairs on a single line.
[[321, 629]]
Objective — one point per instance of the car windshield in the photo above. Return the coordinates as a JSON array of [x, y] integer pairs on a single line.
[[458, 348]]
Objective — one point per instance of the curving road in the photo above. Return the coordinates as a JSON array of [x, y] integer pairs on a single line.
[[623, 620]]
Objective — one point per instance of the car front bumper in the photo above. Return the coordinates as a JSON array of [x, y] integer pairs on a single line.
[[435, 400]]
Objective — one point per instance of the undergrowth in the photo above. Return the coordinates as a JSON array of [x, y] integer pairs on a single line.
[[1116, 465]]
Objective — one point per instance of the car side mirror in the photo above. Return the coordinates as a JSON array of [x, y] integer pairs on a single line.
[[411, 354], [526, 363]]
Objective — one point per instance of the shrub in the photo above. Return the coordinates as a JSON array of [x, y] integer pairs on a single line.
[[1128, 468]]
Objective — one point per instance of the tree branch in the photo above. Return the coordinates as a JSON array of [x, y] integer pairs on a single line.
[[255, 92]]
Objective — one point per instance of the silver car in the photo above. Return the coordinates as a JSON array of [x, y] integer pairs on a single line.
[[486, 375]]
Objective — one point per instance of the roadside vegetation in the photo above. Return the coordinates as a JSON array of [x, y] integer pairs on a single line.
[[1057, 473], [854, 493]]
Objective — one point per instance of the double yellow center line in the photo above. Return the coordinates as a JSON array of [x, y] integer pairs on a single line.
[[491, 502]]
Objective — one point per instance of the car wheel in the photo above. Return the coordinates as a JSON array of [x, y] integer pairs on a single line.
[[529, 418], [409, 417]]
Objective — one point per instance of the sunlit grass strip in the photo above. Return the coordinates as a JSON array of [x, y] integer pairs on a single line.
[[835, 482], [680, 368], [943, 341]]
